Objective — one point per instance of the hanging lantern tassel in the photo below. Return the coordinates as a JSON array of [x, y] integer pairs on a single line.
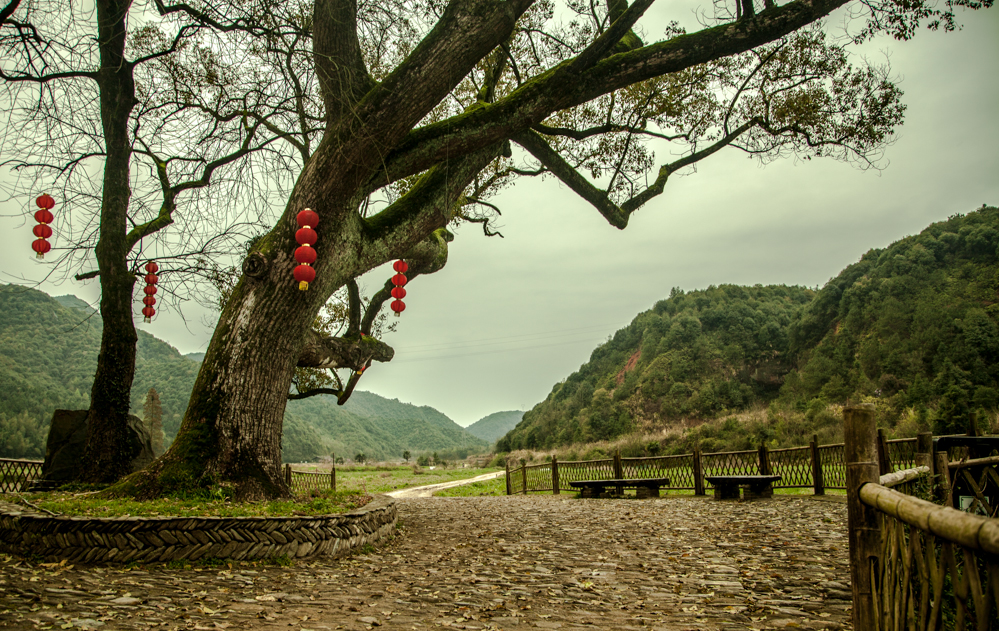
[[150, 290], [398, 306], [306, 254], [43, 230]]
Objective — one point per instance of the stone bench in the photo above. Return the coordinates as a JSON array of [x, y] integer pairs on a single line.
[[644, 487], [756, 486]]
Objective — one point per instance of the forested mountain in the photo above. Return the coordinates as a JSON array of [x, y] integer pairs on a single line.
[[912, 327], [493, 426], [48, 352]]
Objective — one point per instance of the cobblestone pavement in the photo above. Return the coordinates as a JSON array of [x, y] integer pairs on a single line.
[[492, 563]]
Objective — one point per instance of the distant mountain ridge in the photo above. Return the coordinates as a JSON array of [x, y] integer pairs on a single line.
[[48, 354], [492, 427]]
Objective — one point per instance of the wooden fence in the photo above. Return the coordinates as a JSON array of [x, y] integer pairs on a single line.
[[818, 467], [302, 482], [15, 475], [915, 564]]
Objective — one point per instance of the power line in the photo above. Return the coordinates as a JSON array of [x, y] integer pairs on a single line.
[[524, 337], [490, 352]]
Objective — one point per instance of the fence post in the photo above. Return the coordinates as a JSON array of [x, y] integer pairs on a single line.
[[698, 473], [333, 473], [764, 459], [941, 464], [862, 466], [554, 475], [924, 450], [506, 463], [884, 463], [818, 482], [523, 471], [287, 475], [618, 471]]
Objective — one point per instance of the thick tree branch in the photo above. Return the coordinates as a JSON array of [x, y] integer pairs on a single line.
[[343, 77], [530, 104], [616, 215], [357, 144], [341, 352], [8, 10], [428, 205]]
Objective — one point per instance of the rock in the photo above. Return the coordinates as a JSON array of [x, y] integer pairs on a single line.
[[67, 436]]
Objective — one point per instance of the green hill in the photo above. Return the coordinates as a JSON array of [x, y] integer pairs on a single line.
[[48, 353], [911, 327], [490, 428]]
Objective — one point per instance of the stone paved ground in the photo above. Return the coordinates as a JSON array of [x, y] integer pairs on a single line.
[[493, 563]]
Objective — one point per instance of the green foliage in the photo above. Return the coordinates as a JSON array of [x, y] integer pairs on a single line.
[[493, 426], [914, 327], [696, 354], [47, 367]]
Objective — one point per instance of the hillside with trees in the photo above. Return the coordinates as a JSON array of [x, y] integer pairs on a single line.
[[48, 349], [491, 427], [911, 327]]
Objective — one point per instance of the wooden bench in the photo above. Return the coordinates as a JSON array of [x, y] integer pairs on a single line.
[[644, 487], [757, 486]]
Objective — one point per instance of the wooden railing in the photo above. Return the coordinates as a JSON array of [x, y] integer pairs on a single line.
[[818, 467], [915, 564], [15, 475], [302, 482]]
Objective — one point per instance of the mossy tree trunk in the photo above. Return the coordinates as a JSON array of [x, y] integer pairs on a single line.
[[231, 432]]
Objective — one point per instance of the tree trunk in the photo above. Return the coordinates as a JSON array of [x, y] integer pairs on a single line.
[[231, 433], [106, 456]]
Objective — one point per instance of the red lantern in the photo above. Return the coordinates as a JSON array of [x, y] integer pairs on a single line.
[[398, 292], [305, 255], [304, 274], [43, 231], [40, 246], [150, 290], [306, 237]]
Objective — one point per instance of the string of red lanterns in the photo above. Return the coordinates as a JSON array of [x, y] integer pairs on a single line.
[[305, 254], [150, 290], [398, 292], [43, 230]]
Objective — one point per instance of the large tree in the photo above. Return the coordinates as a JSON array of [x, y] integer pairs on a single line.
[[420, 109], [127, 127]]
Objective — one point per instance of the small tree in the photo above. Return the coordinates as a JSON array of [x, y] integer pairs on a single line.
[[406, 455], [152, 414], [360, 458]]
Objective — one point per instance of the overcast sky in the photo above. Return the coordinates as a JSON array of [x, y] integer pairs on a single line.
[[508, 318]]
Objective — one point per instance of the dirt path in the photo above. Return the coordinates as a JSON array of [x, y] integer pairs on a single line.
[[493, 563], [430, 489]]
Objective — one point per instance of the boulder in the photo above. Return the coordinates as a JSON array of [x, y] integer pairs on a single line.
[[68, 434]]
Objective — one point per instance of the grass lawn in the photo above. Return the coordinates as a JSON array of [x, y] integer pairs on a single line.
[[85, 504], [362, 479], [355, 487], [496, 486]]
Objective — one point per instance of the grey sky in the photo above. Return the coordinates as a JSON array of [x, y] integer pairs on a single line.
[[508, 318]]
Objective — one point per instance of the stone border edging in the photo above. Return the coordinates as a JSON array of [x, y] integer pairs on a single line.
[[161, 539]]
